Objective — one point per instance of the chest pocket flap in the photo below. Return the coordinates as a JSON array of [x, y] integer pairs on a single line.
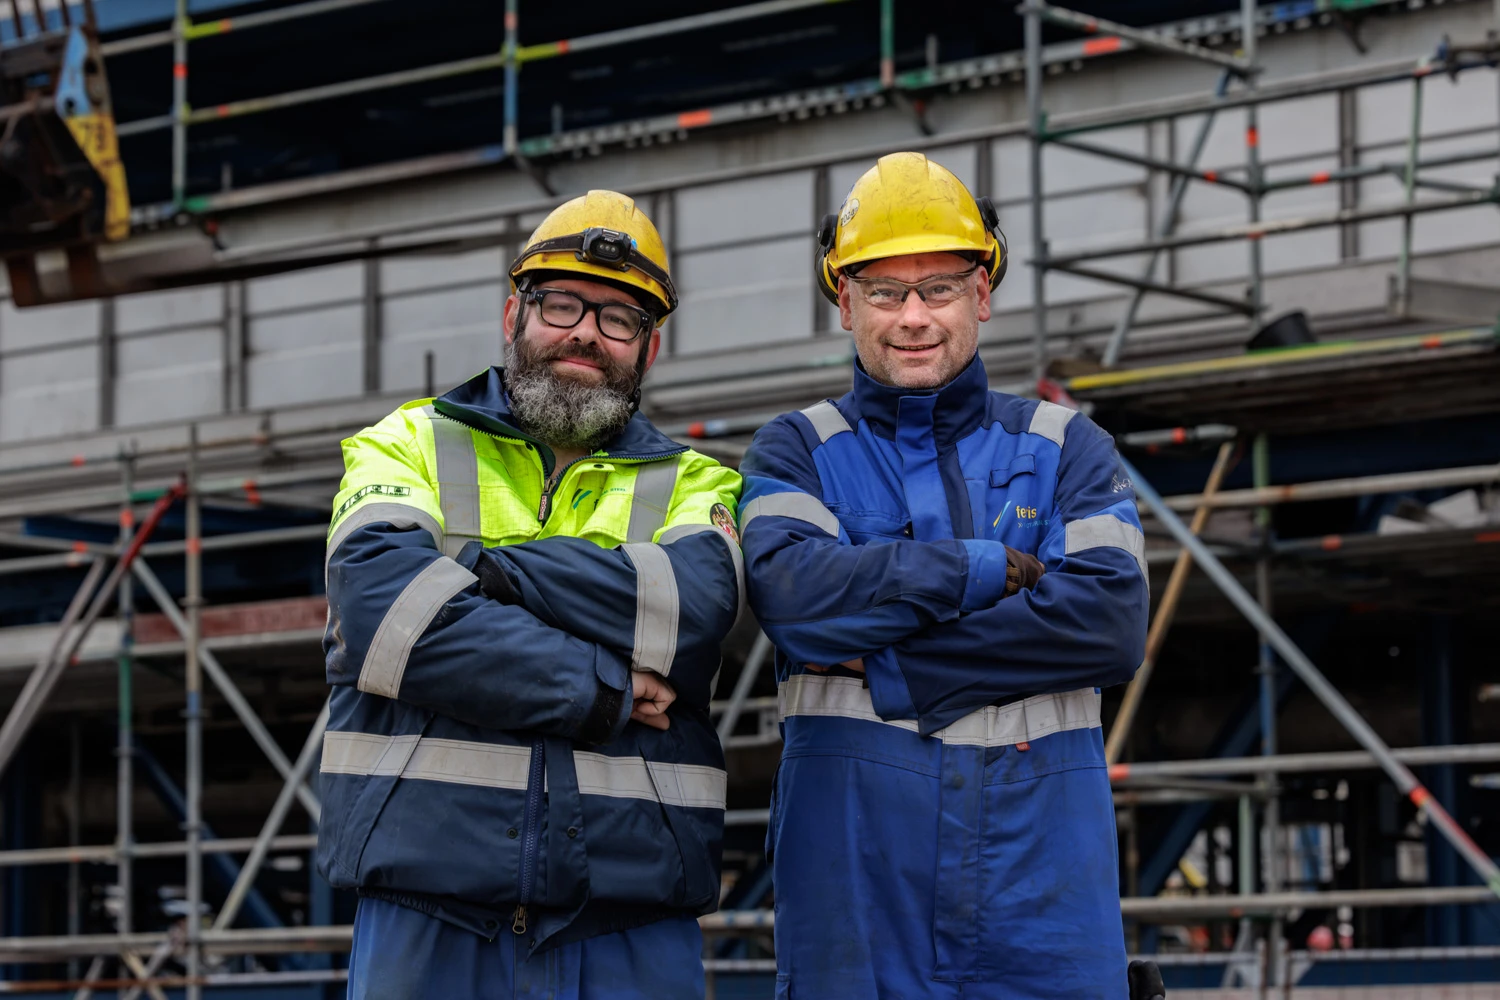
[[1019, 465]]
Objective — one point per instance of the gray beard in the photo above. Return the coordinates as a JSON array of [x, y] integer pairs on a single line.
[[558, 411]]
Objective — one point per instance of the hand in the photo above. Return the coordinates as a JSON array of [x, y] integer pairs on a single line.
[[857, 665], [651, 695], [1022, 571]]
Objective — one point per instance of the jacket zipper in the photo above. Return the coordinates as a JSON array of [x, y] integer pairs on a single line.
[[532, 833], [545, 508]]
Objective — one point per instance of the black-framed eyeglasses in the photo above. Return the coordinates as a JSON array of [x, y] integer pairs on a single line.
[[565, 310], [936, 290]]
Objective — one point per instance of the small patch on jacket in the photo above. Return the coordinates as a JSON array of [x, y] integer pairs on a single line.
[[373, 490], [724, 521]]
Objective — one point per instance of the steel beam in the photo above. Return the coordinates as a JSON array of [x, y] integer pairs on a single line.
[[1142, 37]]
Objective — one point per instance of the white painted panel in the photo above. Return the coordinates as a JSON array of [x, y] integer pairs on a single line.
[[169, 376], [1383, 114], [317, 285], [737, 298], [49, 394], [402, 274], [461, 328], [178, 307], [758, 207], [305, 356], [42, 325], [1010, 167]]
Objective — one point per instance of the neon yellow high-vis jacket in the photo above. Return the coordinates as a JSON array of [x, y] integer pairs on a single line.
[[480, 764]]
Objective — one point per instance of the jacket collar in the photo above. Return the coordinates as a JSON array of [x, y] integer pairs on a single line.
[[957, 411], [482, 403]]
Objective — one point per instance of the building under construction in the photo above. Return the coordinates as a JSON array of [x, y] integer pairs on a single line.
[[1258, 243]]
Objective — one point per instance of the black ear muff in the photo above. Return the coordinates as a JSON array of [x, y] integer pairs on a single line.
[[990, 216], [827, 230]]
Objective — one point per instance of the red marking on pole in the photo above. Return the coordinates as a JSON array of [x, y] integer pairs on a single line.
[[1430, 342], [1179, 435], [127, 517], [695, 430], [1487, 537], [563, 47], [693, 119], [1252, 137], [510, 20], [80, 547], [1421, 71], [179, 70], [1210, 175], [1419, 796], [252, 493], [1321, 177], [1101, 46], [222, 111], [78, 460], [1091, 25], [1255, 234], [225, 24], [1119, 772], [194, 546], [1332, 543]]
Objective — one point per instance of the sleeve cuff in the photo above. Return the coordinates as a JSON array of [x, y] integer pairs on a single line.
[[984, 584], [612, 703]]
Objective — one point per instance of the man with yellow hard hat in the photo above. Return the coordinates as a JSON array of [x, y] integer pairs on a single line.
[[949, 575], [527, 587]]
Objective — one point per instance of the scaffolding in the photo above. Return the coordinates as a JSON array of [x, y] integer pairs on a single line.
[[173, 475]]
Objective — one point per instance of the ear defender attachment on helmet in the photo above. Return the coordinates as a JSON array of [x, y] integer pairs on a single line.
[[827, 281], [1000, 258]]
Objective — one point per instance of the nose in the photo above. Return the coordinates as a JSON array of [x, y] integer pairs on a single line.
[[914, 313], [587, 330]]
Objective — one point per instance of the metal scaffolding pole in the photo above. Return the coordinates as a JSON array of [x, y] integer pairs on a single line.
[[193, 682], [1403, 265], [106, 854], [1266, 671], [221, 679], [1304, 763], [1340, 708], [179, 105], [1037, 126], [124, 764], [268, 831], [512, 77], [1165, 226], [1147, 39], [1250, 35], [759, 650], [887, 43]]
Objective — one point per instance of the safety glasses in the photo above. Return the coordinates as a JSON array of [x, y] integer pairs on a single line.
[[938, 290], [565, 310]]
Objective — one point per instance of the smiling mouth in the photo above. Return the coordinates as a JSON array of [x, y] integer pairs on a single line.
[[914, 348]]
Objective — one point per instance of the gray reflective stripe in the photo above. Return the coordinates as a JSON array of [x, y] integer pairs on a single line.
[[991, 726], [458, 480], [490, 765], [678, 531], [397, 515], [826, 420], [404, 623], [655, 483], [1105, 530], [656, 608], [1051, 421], [687, 786], [798, 505]]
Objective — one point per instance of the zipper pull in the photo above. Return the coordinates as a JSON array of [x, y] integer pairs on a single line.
[[518, 921], [541, 514]]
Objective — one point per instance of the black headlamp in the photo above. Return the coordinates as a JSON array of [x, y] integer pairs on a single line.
[[607, 247]]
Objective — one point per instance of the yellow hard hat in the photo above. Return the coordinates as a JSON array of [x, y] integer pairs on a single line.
[[906, 204], [601, 235]]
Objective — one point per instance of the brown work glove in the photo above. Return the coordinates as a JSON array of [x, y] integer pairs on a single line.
[[1022, 571]]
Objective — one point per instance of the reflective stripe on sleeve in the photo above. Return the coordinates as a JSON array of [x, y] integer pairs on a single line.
[[991, 726], [655, 482], [678, 531], [827, 420], [801, 506], [408, 617], [398, 515], [1108, 531], [657, 609], [458, 480], [1051, 421], [491, 765]]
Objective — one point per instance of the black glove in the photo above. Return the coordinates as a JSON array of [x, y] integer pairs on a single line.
[[494, 579], [1022, 571], [1145, 982]]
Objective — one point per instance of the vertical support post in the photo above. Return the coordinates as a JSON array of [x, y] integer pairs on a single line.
[[109, 363], [1441, 729], [512, 76], [1271, 818], [1413, 144], [372, 326], [1348, 112], [887, 43], [179, 106], [75, 833], [194, 684], [1037, 125], [125, 751], [1250, 34]]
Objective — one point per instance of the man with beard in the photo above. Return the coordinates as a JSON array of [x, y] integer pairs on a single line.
[[527, 587], [949, 574]]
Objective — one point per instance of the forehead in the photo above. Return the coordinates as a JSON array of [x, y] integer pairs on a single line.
[[915, 267], [594, 291]]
